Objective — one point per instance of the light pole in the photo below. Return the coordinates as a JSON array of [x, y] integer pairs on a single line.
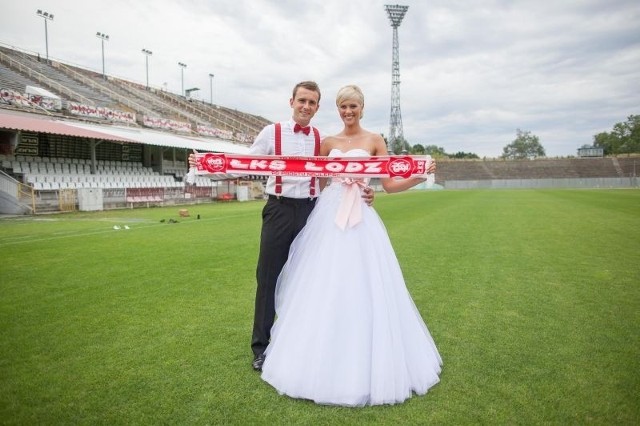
[[211, 88], [182, 67], [102, 38], [396, 13], [147, 53], [47, 17]]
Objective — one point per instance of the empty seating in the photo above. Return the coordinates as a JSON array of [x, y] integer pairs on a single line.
[[45, 173]]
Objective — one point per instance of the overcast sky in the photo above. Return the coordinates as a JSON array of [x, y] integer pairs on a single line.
[[472, 72]]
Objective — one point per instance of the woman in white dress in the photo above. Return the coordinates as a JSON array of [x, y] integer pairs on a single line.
[[347, 331]]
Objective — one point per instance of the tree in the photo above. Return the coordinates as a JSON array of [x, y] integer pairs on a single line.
[[461, 155], [435, 151], [623, 139], [438, 152], [417, 149], [607, 142], [524, 146], [398, 146]]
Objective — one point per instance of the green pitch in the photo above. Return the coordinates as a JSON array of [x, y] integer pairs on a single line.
[[532, 297]]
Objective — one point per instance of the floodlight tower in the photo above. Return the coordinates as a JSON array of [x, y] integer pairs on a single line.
[[102, 37], [147, 53], [47, 17], [182, 67], [396, 13]]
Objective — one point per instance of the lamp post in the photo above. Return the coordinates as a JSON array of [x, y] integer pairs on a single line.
[[182, 67], [47, 17], [147, 53], [102, 38], [211, 88]]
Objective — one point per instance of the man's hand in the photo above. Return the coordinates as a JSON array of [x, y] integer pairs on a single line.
[[192, 159], [367, 194]]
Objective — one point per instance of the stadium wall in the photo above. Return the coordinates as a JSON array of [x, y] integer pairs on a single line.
[[584, 183]]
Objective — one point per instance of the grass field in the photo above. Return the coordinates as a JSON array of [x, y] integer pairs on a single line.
[[532, 297]]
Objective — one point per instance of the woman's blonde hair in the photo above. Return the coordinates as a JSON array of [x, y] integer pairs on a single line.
[[351, 92]]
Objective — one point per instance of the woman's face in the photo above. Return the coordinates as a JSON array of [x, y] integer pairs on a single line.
[[350, 111]]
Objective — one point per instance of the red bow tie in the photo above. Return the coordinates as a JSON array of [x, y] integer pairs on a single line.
[[298, 128]]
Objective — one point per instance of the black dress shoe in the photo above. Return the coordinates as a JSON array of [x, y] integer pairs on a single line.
[[258, 361]]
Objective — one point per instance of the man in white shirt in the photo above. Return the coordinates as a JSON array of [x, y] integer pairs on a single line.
[[291, 200]]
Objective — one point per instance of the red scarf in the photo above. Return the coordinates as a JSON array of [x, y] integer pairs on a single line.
[[364, 167]]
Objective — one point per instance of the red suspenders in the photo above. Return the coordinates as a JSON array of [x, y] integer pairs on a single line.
[[316, 151], [278, 152]]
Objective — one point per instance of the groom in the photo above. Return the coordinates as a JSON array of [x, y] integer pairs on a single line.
[[290, 201]]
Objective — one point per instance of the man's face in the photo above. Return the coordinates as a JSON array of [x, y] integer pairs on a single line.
[[304, 105]]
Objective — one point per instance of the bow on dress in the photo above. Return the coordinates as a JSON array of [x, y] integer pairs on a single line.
[[350, 209]]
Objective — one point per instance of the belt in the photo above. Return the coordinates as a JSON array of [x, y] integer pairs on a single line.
[[288, 200]]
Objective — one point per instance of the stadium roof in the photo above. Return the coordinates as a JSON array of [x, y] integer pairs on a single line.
[[153, 137], [41, 124], [35, 123]]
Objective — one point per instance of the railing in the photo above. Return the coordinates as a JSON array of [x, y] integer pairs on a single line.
[[41, 78], [23, 194], [12, 97], [26, 194], [154, 100], [227, 120], [586, 183], [105, 90]]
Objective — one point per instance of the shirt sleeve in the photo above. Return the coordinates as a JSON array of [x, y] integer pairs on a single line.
[[264, 142]]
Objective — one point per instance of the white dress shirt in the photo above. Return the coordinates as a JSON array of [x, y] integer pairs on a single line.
[[293, 144]]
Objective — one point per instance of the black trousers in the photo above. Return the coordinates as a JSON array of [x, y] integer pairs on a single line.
[[282, 220]]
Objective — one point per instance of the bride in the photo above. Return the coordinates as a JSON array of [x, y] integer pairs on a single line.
[[347, 331]]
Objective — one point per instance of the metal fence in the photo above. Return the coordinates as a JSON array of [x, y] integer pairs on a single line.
[[586, 183]]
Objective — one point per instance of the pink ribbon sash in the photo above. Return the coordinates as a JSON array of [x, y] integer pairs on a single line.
[[350, 209]]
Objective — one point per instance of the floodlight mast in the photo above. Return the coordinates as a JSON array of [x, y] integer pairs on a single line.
[[47, 17], [396, 13]]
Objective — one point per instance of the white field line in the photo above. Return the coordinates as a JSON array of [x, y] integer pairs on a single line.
[[7, 241]]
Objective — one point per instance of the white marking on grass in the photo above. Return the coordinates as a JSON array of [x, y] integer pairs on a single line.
[[141, 227]]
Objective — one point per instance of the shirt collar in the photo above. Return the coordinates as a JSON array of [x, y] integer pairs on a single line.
[[292, 124]]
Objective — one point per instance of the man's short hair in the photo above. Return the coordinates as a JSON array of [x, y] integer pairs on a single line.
[[309, 85]]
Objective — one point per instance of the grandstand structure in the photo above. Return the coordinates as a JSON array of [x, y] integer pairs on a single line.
[[73, 140], [65, 129], [606, 172]]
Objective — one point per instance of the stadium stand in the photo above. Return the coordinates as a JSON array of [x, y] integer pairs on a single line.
[[88, 88], [544, 168], [80, 134], [39, 162]]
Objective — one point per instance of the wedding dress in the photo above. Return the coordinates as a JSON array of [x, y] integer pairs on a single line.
[[347, 331]]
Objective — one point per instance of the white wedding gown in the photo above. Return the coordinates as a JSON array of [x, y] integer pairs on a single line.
[[347, 331]]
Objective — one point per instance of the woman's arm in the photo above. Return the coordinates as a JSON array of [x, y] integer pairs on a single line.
[[391, 185]]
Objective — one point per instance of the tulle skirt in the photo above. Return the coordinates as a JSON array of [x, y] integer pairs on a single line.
[[347, 331]]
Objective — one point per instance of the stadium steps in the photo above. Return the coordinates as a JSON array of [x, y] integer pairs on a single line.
[[87, 78], [630, 166], [50, 70], [212, 115], [40, 79], [86, 87]]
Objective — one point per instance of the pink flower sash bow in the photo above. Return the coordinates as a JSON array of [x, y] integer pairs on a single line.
[[350, 209]]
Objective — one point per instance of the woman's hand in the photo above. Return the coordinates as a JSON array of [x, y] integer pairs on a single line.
[[432, 167]]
